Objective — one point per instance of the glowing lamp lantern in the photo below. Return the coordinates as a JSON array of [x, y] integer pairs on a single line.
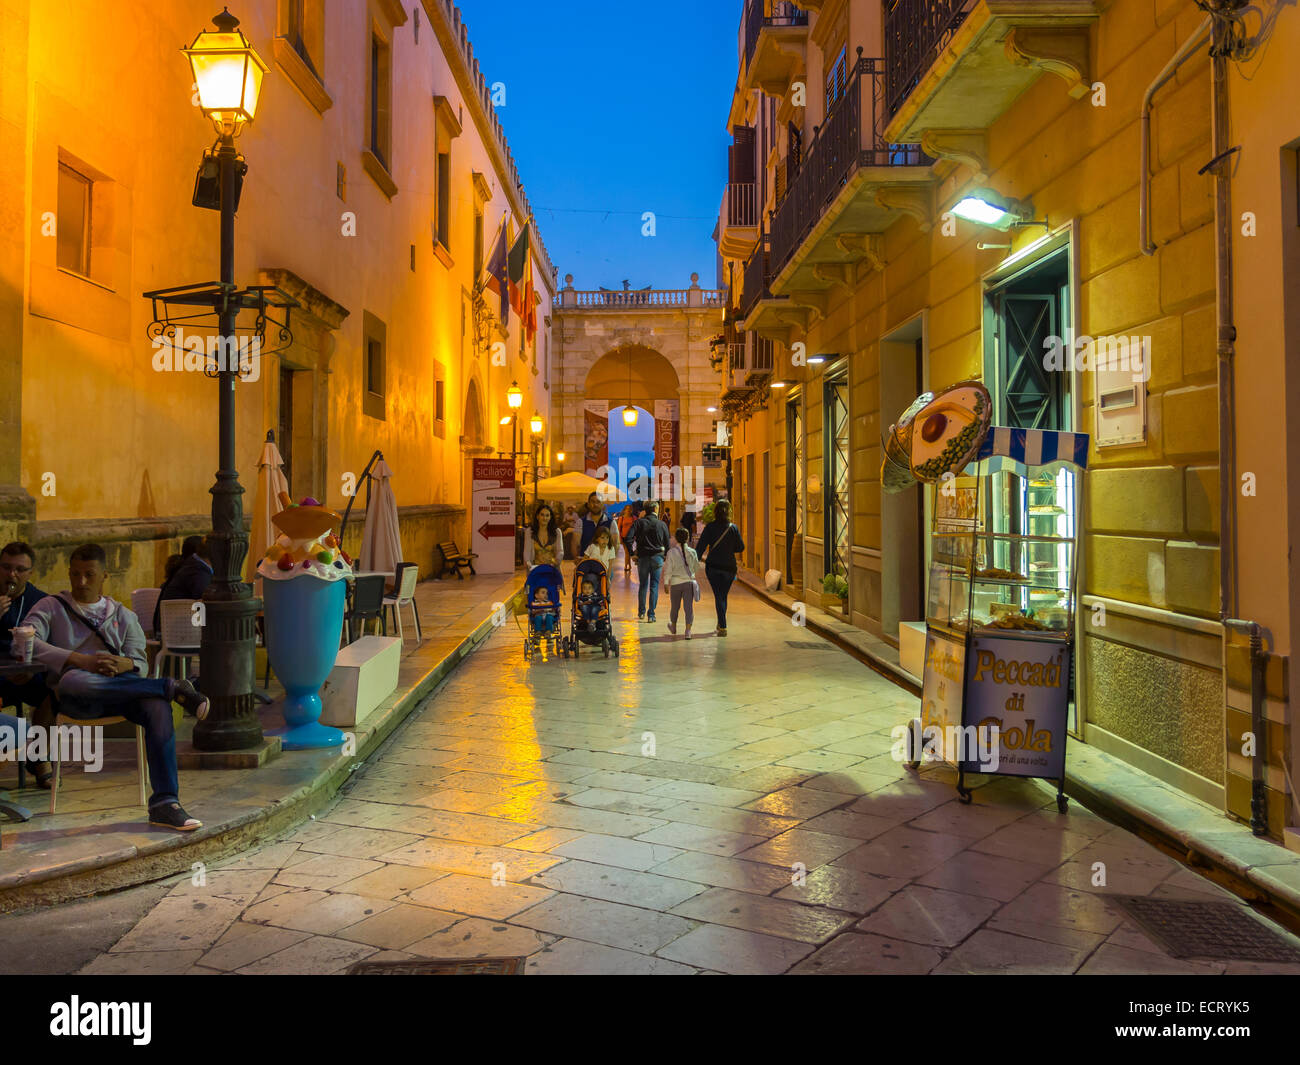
[[559, 456], [228, 73], [629, 416], [535, 424], [514, 396]]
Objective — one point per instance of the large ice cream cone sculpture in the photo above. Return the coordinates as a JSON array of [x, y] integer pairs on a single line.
[[304, 590]]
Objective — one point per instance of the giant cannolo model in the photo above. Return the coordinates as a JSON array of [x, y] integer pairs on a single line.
[[305, 574]]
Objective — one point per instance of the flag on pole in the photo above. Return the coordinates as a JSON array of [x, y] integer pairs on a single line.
[[496, 274], [519, 258], [530, 303]]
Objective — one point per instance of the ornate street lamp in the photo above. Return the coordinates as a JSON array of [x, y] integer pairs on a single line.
[[228, 73], [536, 426]]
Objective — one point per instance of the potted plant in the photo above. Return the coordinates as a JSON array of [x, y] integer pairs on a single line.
[[835, 593]]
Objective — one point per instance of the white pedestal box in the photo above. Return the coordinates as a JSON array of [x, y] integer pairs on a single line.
[[911, 647], [364, 675]]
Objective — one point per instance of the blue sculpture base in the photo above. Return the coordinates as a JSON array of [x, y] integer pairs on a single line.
[[307, 737]]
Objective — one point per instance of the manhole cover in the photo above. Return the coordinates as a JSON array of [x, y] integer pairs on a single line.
[[441, 967], [1216, 930], [808, 645]]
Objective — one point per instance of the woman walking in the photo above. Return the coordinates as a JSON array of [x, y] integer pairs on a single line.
[[679, 579], [625, 522], [719, 545], [543, 542]]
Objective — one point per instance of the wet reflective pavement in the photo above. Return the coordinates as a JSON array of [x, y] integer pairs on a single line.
[[718, 805]]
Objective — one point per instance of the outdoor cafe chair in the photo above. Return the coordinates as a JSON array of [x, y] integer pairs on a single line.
[[143, 603], [142, 764], [367, 604], [180, 636], [408, 573]]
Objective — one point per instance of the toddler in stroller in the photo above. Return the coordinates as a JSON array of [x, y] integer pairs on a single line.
[[542, 591], [590, 620]]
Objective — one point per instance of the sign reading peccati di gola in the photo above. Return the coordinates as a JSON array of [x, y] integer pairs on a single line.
[[1021, 687], [492, 516]]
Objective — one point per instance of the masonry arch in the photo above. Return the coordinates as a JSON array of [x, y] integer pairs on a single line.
[[474, 421], [642, 376]]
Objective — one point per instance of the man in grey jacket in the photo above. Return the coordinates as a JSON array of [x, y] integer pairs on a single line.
[[94, 649]]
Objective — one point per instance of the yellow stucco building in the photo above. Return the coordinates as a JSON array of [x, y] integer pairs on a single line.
[[858, 128], [378, 179]]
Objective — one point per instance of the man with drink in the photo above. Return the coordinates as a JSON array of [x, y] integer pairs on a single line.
[[17, 596]]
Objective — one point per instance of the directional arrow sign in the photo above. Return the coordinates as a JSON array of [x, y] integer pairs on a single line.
[[489, 531]]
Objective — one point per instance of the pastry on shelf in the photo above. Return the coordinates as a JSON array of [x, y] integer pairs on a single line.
[[993, 573], [1021, 622]]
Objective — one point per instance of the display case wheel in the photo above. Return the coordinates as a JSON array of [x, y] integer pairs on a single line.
[[1063, 803]]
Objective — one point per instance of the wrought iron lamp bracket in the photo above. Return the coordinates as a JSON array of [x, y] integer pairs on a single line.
[[202, 307]]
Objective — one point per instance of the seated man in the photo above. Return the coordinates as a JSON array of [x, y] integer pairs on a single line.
[[191, 578], [17, 597], [94, 648]]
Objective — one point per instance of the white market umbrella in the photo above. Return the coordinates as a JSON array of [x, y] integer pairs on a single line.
[[381, 540], [574, 488], [270, 483]]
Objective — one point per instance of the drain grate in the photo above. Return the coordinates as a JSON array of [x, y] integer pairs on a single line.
[[1215, 930], [808, 645], [441, 967]]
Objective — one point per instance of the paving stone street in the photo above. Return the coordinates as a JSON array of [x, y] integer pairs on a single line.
[[724, 805]]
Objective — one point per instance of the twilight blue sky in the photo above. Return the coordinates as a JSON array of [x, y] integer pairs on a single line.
[[614, 109]]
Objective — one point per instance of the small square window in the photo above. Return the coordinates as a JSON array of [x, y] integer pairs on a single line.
[[73, 220]]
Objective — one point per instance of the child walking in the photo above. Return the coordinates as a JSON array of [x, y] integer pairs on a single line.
[[679, 579]]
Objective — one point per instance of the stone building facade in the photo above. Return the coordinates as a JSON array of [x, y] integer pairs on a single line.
[[378, 178], [857, 128]]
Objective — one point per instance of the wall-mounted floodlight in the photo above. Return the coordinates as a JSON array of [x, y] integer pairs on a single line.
[[987, 208]]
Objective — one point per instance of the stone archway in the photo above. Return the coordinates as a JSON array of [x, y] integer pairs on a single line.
[[642, 376]]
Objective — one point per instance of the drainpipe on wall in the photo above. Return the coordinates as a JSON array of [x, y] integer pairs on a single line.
[[1218, 26]]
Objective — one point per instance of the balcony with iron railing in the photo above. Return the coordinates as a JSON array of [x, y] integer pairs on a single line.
[[850, 186], [738, 218], [775, 36], [956, 66]]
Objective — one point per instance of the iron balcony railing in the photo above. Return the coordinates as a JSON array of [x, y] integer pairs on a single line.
[[740, 204], [761, 352], [850, 138], [757, 276], [762, 14], [916, 31]]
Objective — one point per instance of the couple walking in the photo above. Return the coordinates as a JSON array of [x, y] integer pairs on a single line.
[[675, 564]]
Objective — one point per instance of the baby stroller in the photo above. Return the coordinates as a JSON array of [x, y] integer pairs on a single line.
[[543, 618], [597, 630]]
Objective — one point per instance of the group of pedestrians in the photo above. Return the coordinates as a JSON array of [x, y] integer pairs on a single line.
[[665, 559]]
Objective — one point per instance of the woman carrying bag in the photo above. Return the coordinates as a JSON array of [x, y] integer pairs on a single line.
[[719, 545], [679, 579]]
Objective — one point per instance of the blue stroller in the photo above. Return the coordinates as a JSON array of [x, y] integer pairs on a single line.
[[590, 621], [542, 590]]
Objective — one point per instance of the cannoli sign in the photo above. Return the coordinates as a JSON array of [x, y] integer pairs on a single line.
[[1021, 688]]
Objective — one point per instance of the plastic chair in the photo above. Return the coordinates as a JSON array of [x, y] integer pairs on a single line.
[[408, 573], [143, 603], [142, 763], [180, 636], [367, 605]]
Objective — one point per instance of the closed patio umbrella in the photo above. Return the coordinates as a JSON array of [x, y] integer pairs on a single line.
[[270, 483], [381, 541]]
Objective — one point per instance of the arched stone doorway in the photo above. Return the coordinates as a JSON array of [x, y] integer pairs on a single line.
[[474, 435], [636, 374]]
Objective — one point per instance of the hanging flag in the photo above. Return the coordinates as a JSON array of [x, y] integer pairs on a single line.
[[496, 274], [530, 303], [519, 257]]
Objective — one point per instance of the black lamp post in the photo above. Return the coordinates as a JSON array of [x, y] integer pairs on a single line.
[[228, 74]]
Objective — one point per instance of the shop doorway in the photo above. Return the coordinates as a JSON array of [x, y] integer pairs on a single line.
[[905, 533], [837, 491]]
